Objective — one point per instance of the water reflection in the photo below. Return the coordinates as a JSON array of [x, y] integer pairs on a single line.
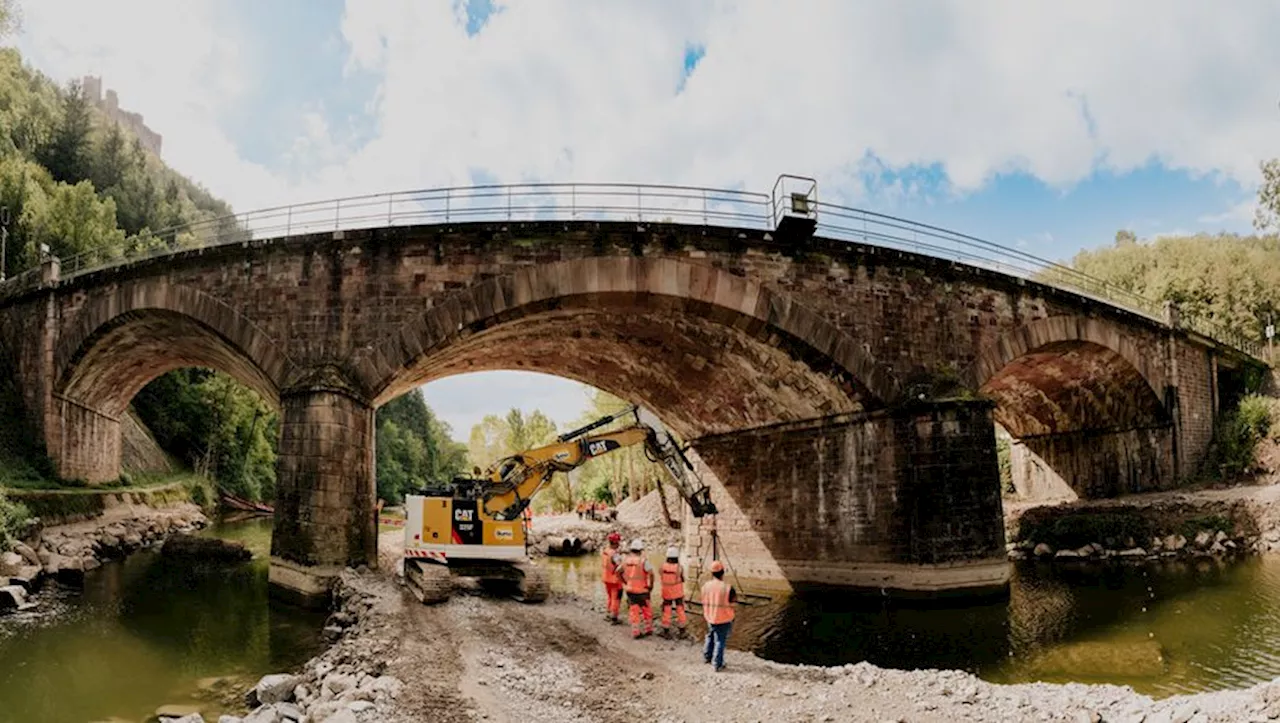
[[149, 632], [1177, 627]]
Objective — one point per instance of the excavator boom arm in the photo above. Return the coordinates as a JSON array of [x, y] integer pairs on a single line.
[[514, 481]]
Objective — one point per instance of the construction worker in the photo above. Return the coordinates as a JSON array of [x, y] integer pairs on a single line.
[[718, 598], [637, 582], [672, 576], [610, 559]]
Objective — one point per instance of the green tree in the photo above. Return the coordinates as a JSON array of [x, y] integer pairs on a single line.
[[216, 425], [9, 17], [1267, 214], [67, 155], [414, 448]]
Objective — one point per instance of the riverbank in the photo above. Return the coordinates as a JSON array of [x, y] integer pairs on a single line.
[[66, 552], [1141, 528]]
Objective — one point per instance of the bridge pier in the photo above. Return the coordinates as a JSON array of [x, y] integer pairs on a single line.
[[905, 501], [324, 514]]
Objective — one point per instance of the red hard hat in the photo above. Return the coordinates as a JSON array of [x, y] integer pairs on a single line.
[[717, 566], [615, 537]]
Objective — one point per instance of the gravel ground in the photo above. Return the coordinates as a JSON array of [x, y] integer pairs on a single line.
[[480, 658]]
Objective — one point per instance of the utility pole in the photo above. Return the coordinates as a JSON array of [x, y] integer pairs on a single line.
[[1271, 332]]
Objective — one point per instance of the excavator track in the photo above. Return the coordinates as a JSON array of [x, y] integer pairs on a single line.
[[534, 586], [429, 582]]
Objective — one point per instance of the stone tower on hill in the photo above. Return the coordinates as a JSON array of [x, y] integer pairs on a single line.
[[111, 106]]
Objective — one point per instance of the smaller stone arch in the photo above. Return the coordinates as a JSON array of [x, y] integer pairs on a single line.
[[1066, 328], [712, 293], [199, 330]]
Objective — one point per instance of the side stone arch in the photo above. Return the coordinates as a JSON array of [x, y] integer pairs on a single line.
[[174, 304], [1067, 328], [720, 295]]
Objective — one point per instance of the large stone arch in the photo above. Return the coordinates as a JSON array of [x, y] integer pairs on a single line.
[[1085, 409], [603, 303]]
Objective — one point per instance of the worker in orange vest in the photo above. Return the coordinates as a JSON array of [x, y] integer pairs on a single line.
[[637, 582], [672, 577], [718, 598], [610, 559]]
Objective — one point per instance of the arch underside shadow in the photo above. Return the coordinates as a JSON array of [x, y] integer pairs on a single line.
[[647, 286], [1085, 422], [123, 355], [702, 371]]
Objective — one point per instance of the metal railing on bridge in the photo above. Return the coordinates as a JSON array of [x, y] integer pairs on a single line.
[[784, 206]]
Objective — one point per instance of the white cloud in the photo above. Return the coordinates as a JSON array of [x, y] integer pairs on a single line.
[[465, 399], [557, 90], [1240, 214]]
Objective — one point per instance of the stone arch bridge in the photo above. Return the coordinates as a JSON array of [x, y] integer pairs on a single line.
[[838, 393]]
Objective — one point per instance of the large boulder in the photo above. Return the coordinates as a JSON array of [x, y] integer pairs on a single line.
[[190, 547], [11, 563]]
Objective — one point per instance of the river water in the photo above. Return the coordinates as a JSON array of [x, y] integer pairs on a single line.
[[1173, 628], [146, 633]]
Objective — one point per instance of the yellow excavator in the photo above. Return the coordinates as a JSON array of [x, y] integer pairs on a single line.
[[476, 526]]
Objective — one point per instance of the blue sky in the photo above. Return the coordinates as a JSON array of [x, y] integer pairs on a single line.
[[1043, 126]]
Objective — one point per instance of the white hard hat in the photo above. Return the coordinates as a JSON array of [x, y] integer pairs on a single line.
[[637, 545], [673, 551]]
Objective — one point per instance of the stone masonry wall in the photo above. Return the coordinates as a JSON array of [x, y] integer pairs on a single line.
[[89, 444], [859, 501], [1195, 406], [325, 482], [1092, 465]]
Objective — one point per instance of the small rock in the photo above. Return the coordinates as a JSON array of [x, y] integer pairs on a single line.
[[27, 553], [1133, 552], [344, 715], [359, 706], [1184, 714], [263, 714], [1043, 550], [229, 719], [12, 597], [10, 563], [289, 712], [179, 712], [1066, 553], [275, 688], [1202, 538]]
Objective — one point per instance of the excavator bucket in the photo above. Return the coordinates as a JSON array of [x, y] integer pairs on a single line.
[[662, 445]]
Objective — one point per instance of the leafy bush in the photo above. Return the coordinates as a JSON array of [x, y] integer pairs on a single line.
[[13, 515], [1237, 435], [1005, 460]]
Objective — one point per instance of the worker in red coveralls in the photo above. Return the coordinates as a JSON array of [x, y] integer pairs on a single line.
[[672, 577], [610, 559]]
